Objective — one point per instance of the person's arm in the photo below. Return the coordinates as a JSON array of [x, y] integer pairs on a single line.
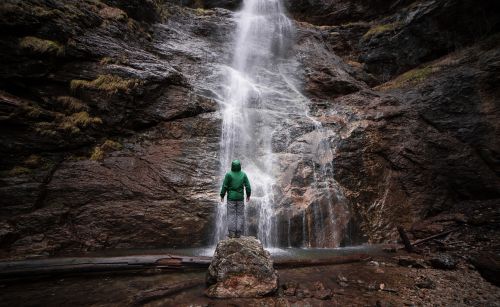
[[248, 189], [224, 188]]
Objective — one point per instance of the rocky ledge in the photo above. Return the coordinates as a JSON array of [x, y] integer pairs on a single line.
[[241, 268]]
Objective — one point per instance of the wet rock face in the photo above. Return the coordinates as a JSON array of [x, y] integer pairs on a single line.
[[111, 132], [424, 31], [338, 12], [241, 268], [112, 141]]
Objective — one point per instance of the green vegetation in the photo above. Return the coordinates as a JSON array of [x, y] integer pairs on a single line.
[[417, 75], [41, 46], [108, 146], [375, 30], [410, 78], [108, 83]]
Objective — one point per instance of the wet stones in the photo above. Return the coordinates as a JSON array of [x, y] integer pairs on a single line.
[[241, 268], [342, 281], [408, 261], [290, 288], [443, 262], [319, 291]]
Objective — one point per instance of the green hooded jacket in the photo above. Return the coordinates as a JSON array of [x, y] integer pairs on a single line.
[[234, 181]]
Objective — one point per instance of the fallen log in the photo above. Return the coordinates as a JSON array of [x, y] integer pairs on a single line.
[[287, 263], [78, 265], [157, 293], [83, 265]]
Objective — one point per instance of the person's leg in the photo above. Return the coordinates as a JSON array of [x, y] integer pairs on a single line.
[[231, 218], [239, 218]]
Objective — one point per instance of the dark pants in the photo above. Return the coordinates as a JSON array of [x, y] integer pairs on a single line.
[[235, 217]]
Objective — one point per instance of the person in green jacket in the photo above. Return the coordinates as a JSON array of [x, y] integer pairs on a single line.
[[233, 185]]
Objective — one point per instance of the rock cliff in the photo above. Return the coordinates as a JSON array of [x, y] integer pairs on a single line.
[[110, 130]]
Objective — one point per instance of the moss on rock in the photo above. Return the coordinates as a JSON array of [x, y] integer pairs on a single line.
[[410, 78]]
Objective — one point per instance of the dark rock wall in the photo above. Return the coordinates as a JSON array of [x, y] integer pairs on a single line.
[[110, 133], [108, 139]]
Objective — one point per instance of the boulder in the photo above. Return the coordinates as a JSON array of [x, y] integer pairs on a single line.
[[241, 268]]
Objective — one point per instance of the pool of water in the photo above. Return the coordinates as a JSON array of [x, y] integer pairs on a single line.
[[276, 253]]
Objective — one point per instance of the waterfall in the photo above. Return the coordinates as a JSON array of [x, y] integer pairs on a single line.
[[260, 104], [263, 35]]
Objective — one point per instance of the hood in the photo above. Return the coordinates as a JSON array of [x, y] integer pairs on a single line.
[[236, 166]]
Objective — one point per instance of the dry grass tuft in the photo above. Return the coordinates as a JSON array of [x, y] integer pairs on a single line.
[[378, 29], [41, 46], [114, 13], [32, 161], [75, 121], [99, 152], [108, 83], [18, 170], [72, 104]]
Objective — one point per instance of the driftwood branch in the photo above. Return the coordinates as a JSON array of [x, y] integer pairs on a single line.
[[433, 237], [417, 242], [404, 238]]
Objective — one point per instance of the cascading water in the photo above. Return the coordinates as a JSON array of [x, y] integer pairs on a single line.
[[262, 35], [260, 104]]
